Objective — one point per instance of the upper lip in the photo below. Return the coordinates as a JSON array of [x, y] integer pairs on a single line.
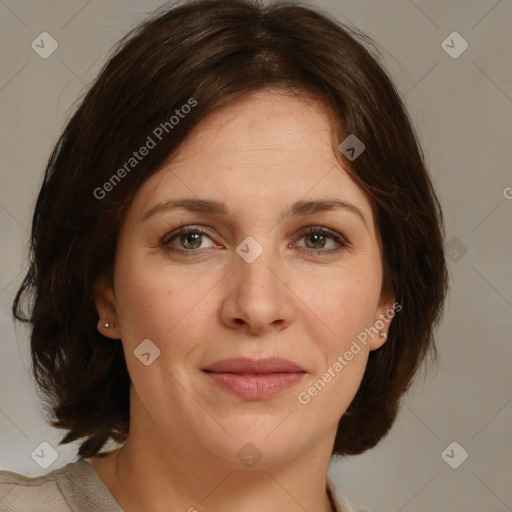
[[246, 365]]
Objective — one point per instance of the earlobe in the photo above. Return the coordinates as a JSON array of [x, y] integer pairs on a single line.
[[108, 329], [104, 300], [383, 317], [378, 340]]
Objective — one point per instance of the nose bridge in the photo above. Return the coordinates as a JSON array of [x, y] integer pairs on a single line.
[[253, 267]]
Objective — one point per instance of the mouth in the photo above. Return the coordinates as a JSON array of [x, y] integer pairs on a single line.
[[255, 379]]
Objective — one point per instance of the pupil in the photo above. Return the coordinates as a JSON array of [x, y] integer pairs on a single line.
[[317, 237], [195, 243]]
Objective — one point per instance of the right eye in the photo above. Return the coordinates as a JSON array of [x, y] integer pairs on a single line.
[[190, 239]]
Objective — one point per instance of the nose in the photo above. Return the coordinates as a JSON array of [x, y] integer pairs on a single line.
[[258, 299]]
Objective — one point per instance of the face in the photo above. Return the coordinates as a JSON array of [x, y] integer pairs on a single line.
[[264, 265]]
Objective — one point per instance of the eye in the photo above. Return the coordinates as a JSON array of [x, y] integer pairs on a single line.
[[317, 237], [188, 238]]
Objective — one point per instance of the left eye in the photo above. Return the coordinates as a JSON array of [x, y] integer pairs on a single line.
[[191, 239], [317, 237]]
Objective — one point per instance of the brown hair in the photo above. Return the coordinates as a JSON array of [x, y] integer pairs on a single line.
[[213, 51]]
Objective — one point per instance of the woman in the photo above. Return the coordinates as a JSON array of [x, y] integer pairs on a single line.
[[236, 269]]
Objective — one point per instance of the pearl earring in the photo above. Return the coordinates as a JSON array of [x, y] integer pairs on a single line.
[[383, 334], [107, 325]]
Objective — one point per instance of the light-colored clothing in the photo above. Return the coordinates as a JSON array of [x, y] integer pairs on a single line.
[[76, 487]]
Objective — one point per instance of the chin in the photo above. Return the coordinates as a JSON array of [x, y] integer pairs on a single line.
[[251, 447]]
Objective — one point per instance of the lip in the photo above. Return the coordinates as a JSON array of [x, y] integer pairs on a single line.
[[258, 366], [255, 378]]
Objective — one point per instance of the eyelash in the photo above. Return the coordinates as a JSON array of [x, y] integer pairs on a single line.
[[309, 230]]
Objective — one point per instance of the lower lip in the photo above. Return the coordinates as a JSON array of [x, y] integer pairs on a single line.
[[256, 386]]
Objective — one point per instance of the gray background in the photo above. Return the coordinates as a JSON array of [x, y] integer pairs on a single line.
[[462, 110]]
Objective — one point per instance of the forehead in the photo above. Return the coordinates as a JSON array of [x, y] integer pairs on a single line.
[[265, 146], [260, 125]]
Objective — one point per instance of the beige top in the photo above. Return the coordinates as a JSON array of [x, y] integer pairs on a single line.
[[76, 487]]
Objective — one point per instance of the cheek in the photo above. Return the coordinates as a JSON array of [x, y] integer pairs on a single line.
[[170, 309], [345, 307], [153, 302], [345, 304]]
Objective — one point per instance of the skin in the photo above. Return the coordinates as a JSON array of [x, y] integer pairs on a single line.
[[258, 155]]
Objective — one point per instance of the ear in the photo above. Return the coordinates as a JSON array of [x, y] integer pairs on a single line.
[[386, 310], [105, 301]]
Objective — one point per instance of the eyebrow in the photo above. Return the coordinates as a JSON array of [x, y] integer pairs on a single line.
[[218, 209]]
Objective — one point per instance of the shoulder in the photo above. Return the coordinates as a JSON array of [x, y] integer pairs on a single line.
[[340, 501], [72, 488], [23, 493]]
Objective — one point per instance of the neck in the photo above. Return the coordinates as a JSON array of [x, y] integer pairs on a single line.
[[142, 476]]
